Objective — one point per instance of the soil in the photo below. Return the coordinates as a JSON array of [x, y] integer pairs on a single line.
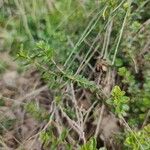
[[18, 89]]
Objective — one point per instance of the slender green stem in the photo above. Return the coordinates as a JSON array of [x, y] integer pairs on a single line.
[[120, 36]]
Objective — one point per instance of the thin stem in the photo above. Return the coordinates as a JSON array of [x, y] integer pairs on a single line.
[[120, 36]]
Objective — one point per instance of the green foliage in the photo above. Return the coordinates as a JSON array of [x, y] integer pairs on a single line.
[[42, 52], [3, 66], [139, 97], [51, 141], [6, 124], [37, 112], [134, 70], [2, 102], [118, 62], [70, 112], [127, 76], [138, 140], [44, 56], [119, 101], [69, 31], [90, 145]]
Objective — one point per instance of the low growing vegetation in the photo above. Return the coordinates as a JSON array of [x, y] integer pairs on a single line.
[[75, 74]]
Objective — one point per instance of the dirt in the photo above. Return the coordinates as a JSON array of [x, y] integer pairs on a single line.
[[18, 89]]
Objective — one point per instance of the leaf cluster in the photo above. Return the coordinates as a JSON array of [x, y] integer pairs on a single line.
[[119, 101]]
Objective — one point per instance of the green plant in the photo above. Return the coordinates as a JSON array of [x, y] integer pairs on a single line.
[[43, 58], [37, 112], [3, 66], [119, 101], [71, 34], [138, 140], [127, 76], [50, 140], [2, 102], [139, 96], [90, 145], [6, 124]]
